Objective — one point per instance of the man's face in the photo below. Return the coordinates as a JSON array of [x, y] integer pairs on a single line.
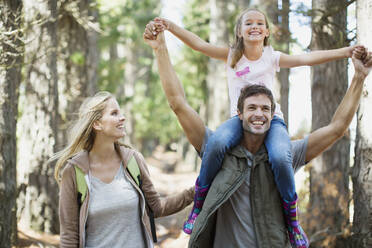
[[256, 116]]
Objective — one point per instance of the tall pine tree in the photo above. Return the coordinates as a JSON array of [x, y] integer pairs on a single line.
[[329, 178], [11, 58]]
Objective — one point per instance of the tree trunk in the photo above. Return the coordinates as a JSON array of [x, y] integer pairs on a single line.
[[243, 4], [78, 61], [284, 37], [217, 96], [362, 170], [144, 73], [125, 87], [280, 38], [11, 59], [38, 199], [127, 91], [329, 183]]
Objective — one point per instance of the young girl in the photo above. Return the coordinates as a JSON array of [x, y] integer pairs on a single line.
[[251, 60], [113, 213]]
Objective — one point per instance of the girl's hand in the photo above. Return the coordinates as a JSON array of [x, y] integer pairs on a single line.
[[358, 51], [158, 25], [164, 24]]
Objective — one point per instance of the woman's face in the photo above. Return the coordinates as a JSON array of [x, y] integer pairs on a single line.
[[112, 122], [254, 27]]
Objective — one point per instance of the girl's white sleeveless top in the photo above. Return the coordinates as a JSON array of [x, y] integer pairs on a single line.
[[247, 72]]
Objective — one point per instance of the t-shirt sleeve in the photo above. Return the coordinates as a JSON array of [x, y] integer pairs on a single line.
[[207, 134], [299, 148]]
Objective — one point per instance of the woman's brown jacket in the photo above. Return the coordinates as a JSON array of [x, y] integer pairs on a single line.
[[73, 221]]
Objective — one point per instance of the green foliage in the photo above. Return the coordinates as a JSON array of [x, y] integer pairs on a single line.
[[78, 58], [154, 120], [193, 67], [123, 24]]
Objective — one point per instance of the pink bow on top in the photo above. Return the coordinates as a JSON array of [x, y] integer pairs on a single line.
[[243, 72]]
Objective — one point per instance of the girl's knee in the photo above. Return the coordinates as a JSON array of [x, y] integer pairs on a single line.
[[219, 143], [223, 138], [281, 159]]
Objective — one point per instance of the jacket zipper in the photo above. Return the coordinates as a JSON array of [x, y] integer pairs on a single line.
[[232, 189], [142, 204], [253, 208], [87, 181]]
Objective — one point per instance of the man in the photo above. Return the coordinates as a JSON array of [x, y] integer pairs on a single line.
[[243, 207]]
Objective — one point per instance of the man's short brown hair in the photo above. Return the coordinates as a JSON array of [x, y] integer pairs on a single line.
[[253, 90]]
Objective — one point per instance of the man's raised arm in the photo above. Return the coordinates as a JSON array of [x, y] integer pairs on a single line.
[[324, 137], [189, 119]]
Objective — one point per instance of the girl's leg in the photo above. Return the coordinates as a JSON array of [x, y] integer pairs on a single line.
[[280, 157], [225, 137], [278, 145]]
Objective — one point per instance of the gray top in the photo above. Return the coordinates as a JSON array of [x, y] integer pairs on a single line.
[[234, 225], [114, 214]]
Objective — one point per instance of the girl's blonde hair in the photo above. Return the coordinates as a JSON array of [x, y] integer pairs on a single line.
[[237, 47], [82, 135]]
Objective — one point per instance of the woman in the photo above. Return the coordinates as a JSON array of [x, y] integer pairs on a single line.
[[113, 213]]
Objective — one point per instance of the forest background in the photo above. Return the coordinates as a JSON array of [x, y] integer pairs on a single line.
[[53, 54]]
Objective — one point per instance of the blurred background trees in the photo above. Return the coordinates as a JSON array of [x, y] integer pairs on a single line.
[[362, 169], [11, 58], [55, 53], [329, 173]]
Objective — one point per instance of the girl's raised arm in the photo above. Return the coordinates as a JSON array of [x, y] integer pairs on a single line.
[[192, 40], [316, 57]]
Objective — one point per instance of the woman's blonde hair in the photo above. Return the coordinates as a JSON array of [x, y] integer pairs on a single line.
[[82, 135], [237, 47]]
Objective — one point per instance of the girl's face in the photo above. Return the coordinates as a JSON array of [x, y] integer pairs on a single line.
[[254, 27], [111, 124]]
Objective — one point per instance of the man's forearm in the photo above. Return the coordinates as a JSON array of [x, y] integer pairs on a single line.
[[170, 82], [349, 104], [190, 121], [324, 137]]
